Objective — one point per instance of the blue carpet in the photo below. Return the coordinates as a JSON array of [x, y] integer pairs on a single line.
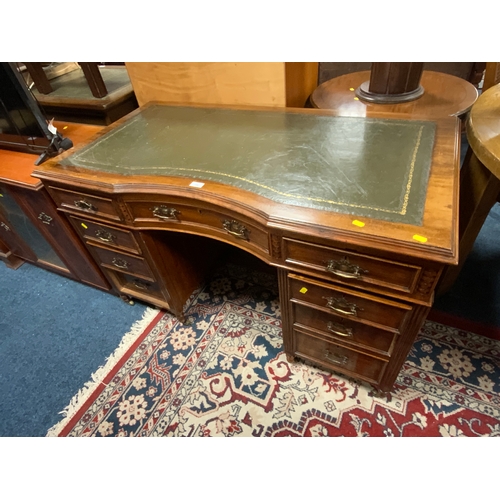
[[475, 294], [54, 333]]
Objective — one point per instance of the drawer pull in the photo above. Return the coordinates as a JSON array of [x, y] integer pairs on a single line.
[[46, 219], [85, 205], [120, 263], [344, 268], [140, 285], [340, 305], [105, 235], [338, 329], [236, 229], [336, 358], [164, 212], [4, 226]]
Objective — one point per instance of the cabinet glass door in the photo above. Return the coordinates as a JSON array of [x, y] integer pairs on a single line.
[[26, 230]]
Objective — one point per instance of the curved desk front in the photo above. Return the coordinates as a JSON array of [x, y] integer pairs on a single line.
[[358, 215]]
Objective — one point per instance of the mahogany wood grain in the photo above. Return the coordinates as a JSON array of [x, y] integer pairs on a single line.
[[16, 168], [343, 330], [359, 307], [105, 234], [444, 95], [308, 345]]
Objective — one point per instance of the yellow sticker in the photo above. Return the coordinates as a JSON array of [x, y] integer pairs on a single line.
[[417, 237], [1, 195], [356, 98], [358, 223], [351, 89], [64, 128], [84, 226], [303, 290]]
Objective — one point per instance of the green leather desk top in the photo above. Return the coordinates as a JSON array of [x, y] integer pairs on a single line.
[[363, 166]]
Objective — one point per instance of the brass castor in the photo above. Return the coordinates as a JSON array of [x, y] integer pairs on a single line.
[[127, 299]]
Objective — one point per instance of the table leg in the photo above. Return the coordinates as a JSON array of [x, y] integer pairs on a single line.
[[40, 79], [94, 79]]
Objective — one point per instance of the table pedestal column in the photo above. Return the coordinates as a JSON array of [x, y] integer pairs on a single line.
[[392, 83]]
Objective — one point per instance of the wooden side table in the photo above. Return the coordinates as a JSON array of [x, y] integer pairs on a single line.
[[479, 176], [444, 95]]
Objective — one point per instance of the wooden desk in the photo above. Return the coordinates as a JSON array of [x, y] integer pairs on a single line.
[[479, 176], [444, 95], [158, 197]]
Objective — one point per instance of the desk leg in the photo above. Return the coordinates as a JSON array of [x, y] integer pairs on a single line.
[[479, 190]]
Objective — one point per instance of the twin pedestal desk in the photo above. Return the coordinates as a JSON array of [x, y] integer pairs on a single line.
[[358, 215]]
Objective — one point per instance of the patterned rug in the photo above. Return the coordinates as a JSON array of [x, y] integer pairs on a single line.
[[224, 374]]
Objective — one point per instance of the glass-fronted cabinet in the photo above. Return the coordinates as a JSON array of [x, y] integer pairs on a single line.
[[31, 229], [33, 245]]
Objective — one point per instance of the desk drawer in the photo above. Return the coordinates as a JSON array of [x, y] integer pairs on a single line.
[[106, 235], [87, 203], [356, 306], [338, 358], [343, 329], [124, 263], [231, 226], [137, 287], [352, 268]]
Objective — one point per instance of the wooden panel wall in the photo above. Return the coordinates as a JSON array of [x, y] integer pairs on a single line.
[[249, 83]]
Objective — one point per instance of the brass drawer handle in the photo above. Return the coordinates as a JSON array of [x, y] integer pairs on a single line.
[[338, 329], [345, 269], [105, 235], [120, 263], [235, 228], [85, 205], [336, 358], [164, 212], [340, 305], [140, 285], [46, 219]]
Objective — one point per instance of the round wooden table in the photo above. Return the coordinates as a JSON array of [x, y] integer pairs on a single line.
[[479, 176], [444, 95]]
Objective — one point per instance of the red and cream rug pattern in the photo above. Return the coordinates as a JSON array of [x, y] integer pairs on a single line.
[[224, 373]]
